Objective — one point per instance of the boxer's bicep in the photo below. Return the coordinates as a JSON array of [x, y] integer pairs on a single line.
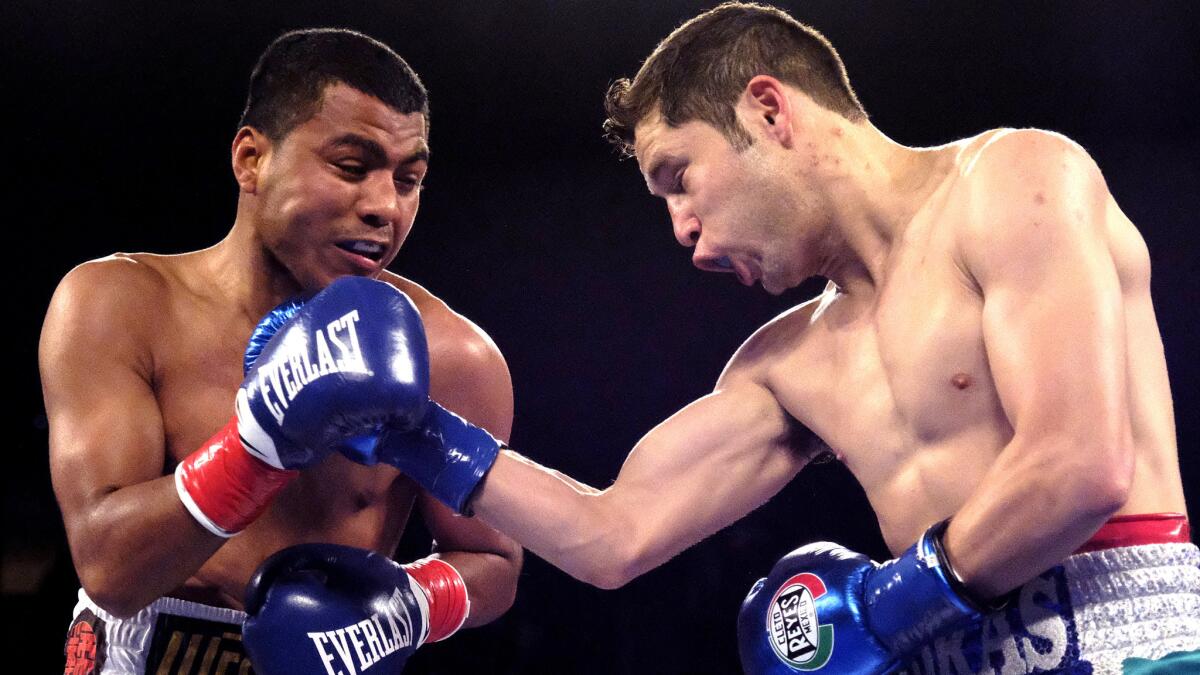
[[106, 431], [1054, 334], [702, 469], [1053, 320]]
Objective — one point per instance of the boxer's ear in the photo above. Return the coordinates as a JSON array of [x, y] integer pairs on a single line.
[[766, 107], [247, 154]]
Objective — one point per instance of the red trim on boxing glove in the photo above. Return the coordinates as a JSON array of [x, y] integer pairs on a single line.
[[224, 487], [447, 595]]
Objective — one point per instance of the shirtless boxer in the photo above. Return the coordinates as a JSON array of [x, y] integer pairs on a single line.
[[985, 349], [141, 357]]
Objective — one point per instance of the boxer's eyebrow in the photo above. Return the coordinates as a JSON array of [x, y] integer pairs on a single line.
[[421, 154], [374, 151]]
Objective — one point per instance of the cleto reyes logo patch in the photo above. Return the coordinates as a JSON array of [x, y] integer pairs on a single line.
[[792, 623]]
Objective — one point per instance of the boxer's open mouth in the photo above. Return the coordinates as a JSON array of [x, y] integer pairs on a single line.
[[367, 249]]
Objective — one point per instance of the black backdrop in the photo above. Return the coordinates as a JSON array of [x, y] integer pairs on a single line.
[[121, 115]]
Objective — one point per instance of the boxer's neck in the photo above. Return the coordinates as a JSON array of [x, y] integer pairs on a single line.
[[245, 272], [872, 198]]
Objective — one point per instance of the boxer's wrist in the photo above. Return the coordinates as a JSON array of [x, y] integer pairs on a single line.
[[446, 455], [224, 487], [918, 596], [444, 588], [937, 536]]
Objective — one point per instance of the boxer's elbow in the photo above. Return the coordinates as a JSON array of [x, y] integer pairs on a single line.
[[505, 579], [107, 571], [1099, 481], [607, 575], [599, 565], [609, 552], [622, 562], [109, 593], [1107, 487]]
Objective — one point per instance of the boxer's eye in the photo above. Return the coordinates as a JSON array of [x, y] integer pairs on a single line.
[[355, 169], [677, 187], [408, 183]]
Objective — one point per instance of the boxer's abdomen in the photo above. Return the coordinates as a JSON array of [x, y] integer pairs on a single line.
[[337, 502]]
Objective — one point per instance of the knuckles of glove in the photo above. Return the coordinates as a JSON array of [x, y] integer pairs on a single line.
[[316, 339], [808, 614]]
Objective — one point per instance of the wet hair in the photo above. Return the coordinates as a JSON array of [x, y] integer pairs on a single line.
[[288, 83], [699, 71]]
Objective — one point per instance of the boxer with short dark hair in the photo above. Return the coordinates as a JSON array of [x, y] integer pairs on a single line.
[[985, 359], [142, 362]]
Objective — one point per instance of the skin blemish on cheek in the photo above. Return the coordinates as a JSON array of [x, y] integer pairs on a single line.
[[837, 131], [961, 381], [1039, 198]]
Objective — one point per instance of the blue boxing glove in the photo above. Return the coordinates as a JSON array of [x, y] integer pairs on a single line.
[[325, 608], [349, 359], [442, 452], [826, 607]]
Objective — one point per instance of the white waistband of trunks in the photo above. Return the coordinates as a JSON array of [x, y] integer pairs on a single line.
[[128, 640], [1136, 601], [1099, 607]]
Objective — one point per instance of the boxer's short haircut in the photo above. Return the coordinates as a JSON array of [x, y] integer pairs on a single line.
[[289, 80], [699, 71]]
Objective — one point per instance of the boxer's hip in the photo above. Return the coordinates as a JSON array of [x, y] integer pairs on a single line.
[[168, 637], [1132, 591]]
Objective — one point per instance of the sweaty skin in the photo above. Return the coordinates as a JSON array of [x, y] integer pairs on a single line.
[[141, 358], [986, 349]]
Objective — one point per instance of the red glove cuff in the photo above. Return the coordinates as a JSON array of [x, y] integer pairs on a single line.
[[224, 487], [447, 595]]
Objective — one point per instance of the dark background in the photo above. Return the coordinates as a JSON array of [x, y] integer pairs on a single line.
[[121, 115]]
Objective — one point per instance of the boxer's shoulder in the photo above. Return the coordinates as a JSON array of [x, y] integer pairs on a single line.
[[461, 353], [781, 340], [109, 294], [1001, 164], [118, 275], [446, 329]]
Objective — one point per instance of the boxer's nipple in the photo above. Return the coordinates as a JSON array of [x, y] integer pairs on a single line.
[[961, 380]]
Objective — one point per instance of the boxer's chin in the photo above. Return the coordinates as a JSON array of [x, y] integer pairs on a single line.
[[773, 284]]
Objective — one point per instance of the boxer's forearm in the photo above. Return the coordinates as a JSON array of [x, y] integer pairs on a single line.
[[1034, 508], [136, 544], [560, 519], [491, 580], [700, 470]]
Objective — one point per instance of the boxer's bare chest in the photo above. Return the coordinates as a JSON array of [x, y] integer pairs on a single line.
[[899, 386], [197, 356]]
